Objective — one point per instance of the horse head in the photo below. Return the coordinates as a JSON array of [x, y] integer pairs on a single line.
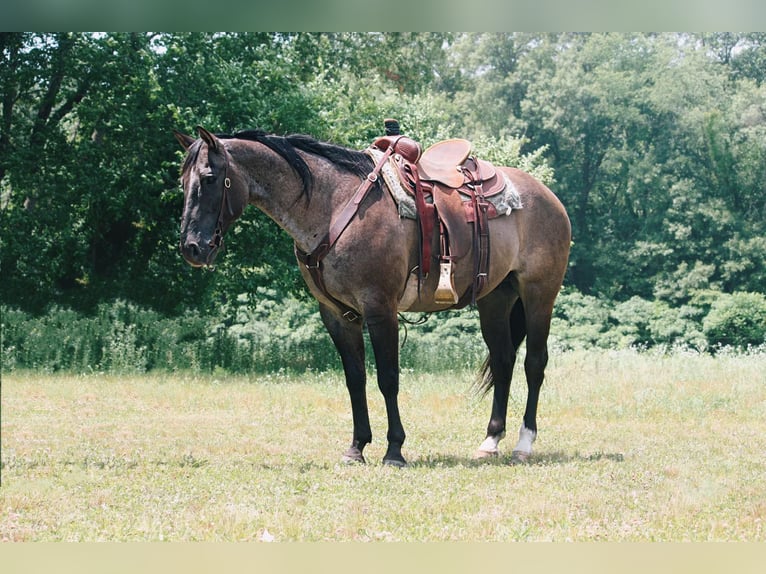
[[214, 196]]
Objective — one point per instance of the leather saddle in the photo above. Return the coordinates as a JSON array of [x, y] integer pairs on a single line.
[[450, 189], [447, 162]]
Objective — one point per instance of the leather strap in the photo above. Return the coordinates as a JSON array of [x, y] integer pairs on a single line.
[[313, 260], [481, 231], [426, 217], [217, 240]]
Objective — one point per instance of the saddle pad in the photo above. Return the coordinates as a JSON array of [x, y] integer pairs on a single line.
[[504, 202]]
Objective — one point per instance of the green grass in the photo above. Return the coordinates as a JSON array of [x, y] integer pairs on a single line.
[[631, 448]]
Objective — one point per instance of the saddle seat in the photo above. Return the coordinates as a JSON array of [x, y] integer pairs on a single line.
[[441, 162]]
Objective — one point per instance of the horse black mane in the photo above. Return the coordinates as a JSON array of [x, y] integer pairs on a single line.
[[352, 161]]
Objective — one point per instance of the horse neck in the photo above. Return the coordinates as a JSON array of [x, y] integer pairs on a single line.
[[277, 190]]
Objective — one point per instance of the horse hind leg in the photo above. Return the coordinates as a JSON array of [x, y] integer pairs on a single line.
[[503, 332], [538, 319]]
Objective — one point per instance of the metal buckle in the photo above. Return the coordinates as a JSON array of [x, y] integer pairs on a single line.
[[351, 316]]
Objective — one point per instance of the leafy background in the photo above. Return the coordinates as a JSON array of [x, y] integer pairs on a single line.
[[656, 144]]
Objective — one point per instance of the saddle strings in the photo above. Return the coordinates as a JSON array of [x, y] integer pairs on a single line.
[[404, 321]]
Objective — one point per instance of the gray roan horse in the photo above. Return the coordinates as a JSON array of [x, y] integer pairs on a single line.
[[303, 184]]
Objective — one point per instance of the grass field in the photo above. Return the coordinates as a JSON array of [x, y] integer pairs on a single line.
[[632, 447]]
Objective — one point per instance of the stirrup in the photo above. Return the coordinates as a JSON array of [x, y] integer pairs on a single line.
[[445, 292]]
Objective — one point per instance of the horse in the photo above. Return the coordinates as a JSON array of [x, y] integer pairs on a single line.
[[369, 271]]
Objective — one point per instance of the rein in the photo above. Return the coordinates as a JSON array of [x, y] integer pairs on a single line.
[[313, 260]]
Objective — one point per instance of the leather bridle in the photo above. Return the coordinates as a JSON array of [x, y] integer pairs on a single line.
[[216, 241]]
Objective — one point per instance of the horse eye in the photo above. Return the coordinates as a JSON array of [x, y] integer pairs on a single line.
[[209, 179]]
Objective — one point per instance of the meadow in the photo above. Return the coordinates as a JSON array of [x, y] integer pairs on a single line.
[[632, 447]]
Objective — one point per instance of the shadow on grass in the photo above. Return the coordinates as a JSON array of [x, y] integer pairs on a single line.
[[542, 459]]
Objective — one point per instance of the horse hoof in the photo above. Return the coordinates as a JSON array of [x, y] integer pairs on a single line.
[[480, 454], [351, 460], [396, 463], [353, 456]]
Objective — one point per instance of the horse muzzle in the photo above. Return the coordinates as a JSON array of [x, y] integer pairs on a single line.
[[199, 254]]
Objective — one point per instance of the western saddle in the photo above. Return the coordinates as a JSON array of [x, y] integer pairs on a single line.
[[450, 188]]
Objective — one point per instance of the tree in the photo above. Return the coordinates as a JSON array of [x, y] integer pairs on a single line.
[[656, 141], [657, 144]]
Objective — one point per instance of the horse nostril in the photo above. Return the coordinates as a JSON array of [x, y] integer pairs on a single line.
[[191, 248]]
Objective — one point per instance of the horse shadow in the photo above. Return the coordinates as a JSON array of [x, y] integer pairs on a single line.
[[553, 458]]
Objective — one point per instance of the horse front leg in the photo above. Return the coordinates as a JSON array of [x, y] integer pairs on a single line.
[[349, 342], [383, 328]]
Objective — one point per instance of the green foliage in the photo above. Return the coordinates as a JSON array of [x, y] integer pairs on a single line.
[[584, 321], [656, 144], [268, 333], [445, 342], [579, 321], [118, 337], [641, 323], [737, 320], [252, 334]]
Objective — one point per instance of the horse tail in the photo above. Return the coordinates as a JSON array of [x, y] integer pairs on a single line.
[[486, 381]]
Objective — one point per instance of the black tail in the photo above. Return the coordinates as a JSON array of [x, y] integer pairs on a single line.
[[485, 381]]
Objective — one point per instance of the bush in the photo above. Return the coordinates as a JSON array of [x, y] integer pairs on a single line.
[[736, 320], [645, 324], [119, 337], [580, 322], [268, 332], [446, 341]]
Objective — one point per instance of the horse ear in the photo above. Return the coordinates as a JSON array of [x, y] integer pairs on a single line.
[[183, 139], [209, 139]]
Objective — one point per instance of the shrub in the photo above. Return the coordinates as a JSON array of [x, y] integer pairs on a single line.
[[119, 337], [644, 324], [269, 332], [444, 342], [737, 320], [580, 321]]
